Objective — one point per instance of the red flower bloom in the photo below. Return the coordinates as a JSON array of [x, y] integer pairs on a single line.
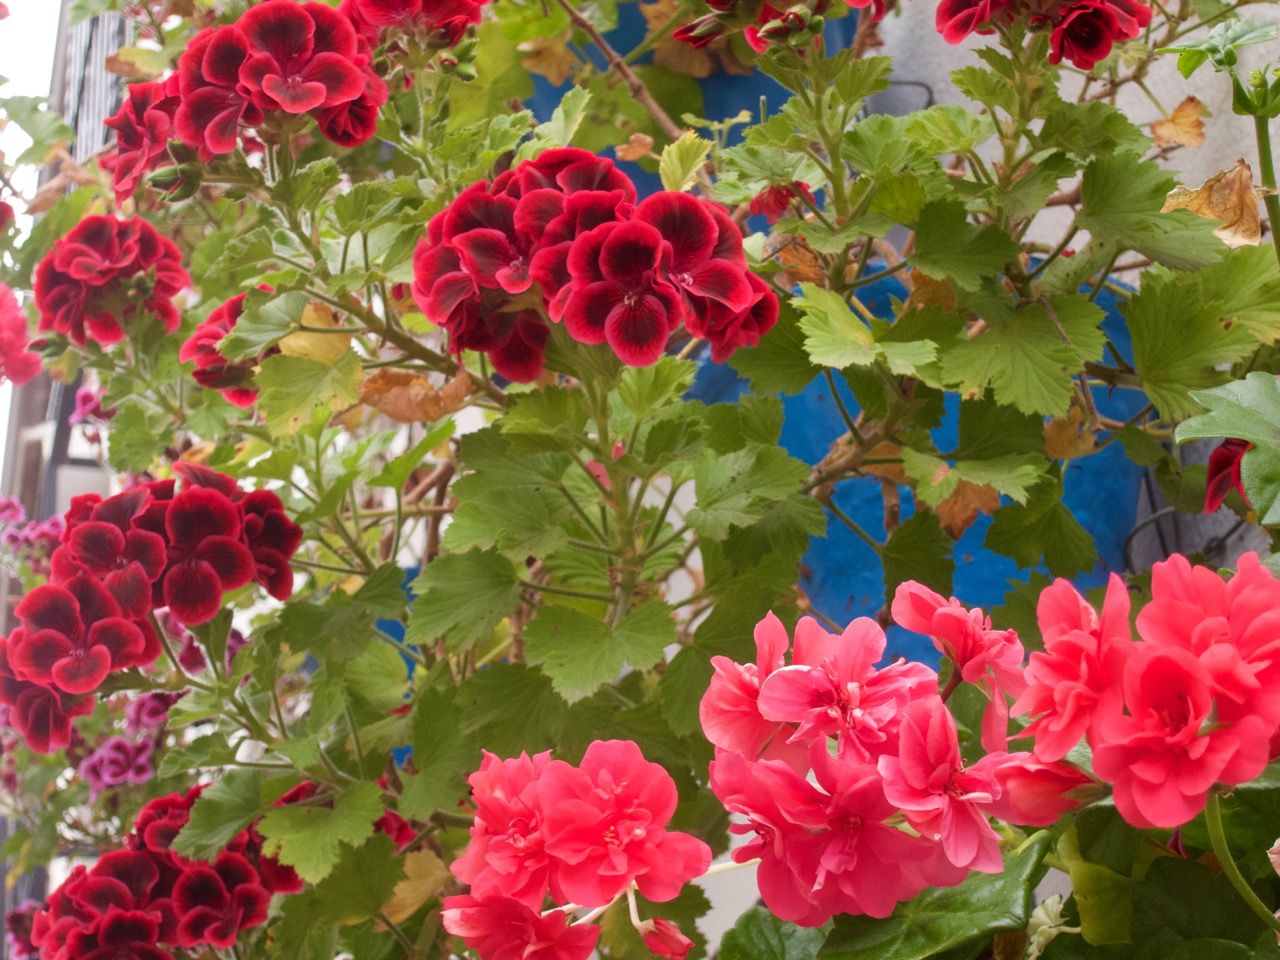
[[143, 126], [956, 19], [213, 106], [773, 201], [1035, 794], [726, 330], [7, 216], [106, 273], [231, 378], [499, 928], [39, 715], [72, 636], [18, 365], [730, 711], [665, 939], [605, 824], [216, 903], [1085, 34], [207, 556], [118, 934], [301, 57], [1224, 473], [272, 538]]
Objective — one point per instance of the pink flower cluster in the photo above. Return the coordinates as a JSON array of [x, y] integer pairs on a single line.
[[18, 364], [121, 559], [561, 237], [1083, 31], [104, 276], [825, 756], [1195, 702], [583, 835], [138, 901], [117, 761], [280, 59]]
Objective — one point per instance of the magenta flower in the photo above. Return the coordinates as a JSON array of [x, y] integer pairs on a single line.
[[605, 824], [928, 782], [117, 762], [729, 711], [149, 711]]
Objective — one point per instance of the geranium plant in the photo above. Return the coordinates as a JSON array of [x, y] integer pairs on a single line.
[[437, 612]]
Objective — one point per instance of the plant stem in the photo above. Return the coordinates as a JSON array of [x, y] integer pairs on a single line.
[[1267, 170], [849, 522], [1218, 837]]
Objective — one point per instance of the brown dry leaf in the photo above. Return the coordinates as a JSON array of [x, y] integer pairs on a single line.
[[957, 512], [136, 62], [670, 52], [1228, 196], [797, 258], [424, 876], [198, 453], [325, 347], [885, 449], [1183, 126], [549, 57], [638, 146], [412, 398], [70, 174], [928, 292], [1066, 438]]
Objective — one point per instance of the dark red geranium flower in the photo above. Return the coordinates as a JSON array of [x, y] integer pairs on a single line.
[[1134, 16], [443, 21], [619, 295], [272, 538], [206, 554], [356, 121], [118, 935], [727, 330], [232, 378], [143, 126], [213, 105], [365, 29], [774, 201], [106, 273], [1085, 34], [39, 715], [397, 828], [573, 170], [72, 636], [126, 561], [301, 57], [159, 821], [956, 19], [1224, 473], [216, 903], [122, 878]]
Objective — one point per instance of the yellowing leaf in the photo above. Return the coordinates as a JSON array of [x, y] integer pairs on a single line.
[[1066, 438], [929, 292], [312, 344], [640, 145], [669, 52], [549, 57], [412, 398], [137, 62], [424, 877], [958, 511], [1228, 196], [1183, 127]]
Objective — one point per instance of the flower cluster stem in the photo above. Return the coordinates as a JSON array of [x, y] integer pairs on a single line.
[[1218, 837]]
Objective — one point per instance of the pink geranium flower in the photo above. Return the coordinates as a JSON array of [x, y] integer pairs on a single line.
[[18, 364], [1036, 794], [605, 824], [991, 659], [928, 782], [729, 710], [500, 928], [1083, 658]]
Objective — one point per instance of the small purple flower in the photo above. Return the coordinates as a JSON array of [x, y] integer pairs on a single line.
[[17, 931], [236, 641], [89, 406], [117, 762], [150, 711], [11, 511]]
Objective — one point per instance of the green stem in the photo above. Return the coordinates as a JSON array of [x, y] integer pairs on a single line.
[[566, 591], [1267, 170], [1218, 837], [849, 522]]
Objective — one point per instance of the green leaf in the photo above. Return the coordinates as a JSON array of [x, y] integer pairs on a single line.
[[1221, 44], [1184, 899], [221, 811], [646, 390], [462, 597], [759, 935], [989, 429], [1120, 201], [510, 707], [311, 839], [834, 336], [501, 78], [361, 884], [779, 363], [1247, 409], [949, 129], [251, 249], [680, 161], [918, 550], [1012, 475], [441, 755], [291, 388], [45, 128], [135, 437], [308, 185], [946, 918], [581, 653], [1179, 341], [734, 489], [1260, 474], [564, 123], [1043, 530], [1091, 130], [267, 317], [395, 473], [948, 245]]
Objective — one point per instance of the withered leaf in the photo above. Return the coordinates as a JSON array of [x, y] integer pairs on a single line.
[[424, 876], [1228, 196], [410, 397], [549, 57], [1066, 438], [798, 259], [312, 344], [958, 511], [885, 450], [1183, 127], [928, 292], [639, 145]]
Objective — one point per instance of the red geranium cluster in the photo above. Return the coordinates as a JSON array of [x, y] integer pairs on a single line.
[[824, 757], [439, 23], [143, 126], [280, 57], [1196, 702], [1083, 31], [232, 378], [106, 274], [583, 835], [562, 238], [121, 559], [136, 902]]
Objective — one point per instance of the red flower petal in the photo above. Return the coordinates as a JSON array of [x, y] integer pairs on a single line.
[[193, 592], [199, 513], [685, 223], [84, 673]]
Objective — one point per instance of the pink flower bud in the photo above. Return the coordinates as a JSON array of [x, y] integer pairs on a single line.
[[664, 938]]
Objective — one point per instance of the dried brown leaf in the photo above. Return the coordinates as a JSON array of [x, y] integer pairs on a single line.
[[799, 260], [549, 57], [929, 292], [1183, 127], [640, 145], [958, 511], [1066, 438], [885, 450], [412, 398], [1228, 196]]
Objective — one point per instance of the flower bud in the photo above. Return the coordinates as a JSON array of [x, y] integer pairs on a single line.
[[664, 938]]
